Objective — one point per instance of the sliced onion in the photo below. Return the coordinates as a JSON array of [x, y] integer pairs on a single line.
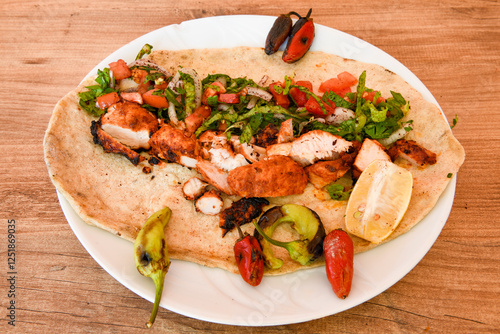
[[252, 102], [197, 84], [174, 81], [254, 91], [152, 64], [222, 80], [223, 106], [395, 136], [172, 114]]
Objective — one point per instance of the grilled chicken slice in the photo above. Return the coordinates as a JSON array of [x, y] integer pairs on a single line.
[[411, 151], [241, 212], [271, 177], [285, 134], [370, 151], [252, 153], [340, 115], [214, 176], [323, 173], [217, 149], [129, 124], [111, 145], [193, 188], [317, 145], [279, 149], [225, 159], [173, 145], [210, 203]]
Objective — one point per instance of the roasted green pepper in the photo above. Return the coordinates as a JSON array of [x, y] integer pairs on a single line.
[[151, 254], [305, 221]]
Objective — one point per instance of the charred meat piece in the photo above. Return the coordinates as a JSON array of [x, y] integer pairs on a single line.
[[129, 124], [370, 151], [271, 177], [411, 151], [173, 145], [193, 188], [241, 212], [111, 145], [323, 173], [267, 136], [214, 176], [210, 203]]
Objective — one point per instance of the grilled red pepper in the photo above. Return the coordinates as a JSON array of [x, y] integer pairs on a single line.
[[249, 258], [339, 256], [278, 33], [300, 40]]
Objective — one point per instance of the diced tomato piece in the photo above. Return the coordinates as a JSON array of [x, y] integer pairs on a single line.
[[280, 99], [208, 92], [139, 76], [156, 101], [106, 100], [231, 98], [370, 95], [219, 87], [298, 96], [339, 85], [194, 120], [162, 86], [132, 97], [313, 107], [120, 69], [347, 79]]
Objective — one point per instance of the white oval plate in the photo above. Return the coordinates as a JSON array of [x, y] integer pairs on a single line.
[[218, 296]]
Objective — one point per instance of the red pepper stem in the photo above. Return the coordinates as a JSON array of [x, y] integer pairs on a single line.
[[309, 13], [239, 230]]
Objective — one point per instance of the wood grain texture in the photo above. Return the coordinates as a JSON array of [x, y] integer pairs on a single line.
[[48, 47]]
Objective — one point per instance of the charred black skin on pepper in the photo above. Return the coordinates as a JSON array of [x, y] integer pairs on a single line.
[[278, 33]]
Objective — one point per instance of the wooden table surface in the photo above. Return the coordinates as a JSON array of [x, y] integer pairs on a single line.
[[47, 47]]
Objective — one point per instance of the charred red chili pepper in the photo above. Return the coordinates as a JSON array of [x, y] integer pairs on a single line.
[[249, 259], [300, 40], [339, 255], [278, 33]]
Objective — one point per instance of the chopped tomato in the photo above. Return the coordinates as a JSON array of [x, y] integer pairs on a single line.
[[194, 120], [120, 69], [106, 100], [299, 97], [313, 107], [208, 92], [347, 79], [219, 87], [156, 101], [280, 99], [162, 85], [370, 95], [339, 85], [231, 98]]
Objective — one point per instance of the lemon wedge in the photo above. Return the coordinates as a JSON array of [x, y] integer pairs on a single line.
[[378, 201]]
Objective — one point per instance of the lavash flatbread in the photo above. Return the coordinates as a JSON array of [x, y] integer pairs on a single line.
[[107, 191]]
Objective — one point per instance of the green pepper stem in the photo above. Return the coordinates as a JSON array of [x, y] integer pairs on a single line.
[[269, 239], [158, 278]]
